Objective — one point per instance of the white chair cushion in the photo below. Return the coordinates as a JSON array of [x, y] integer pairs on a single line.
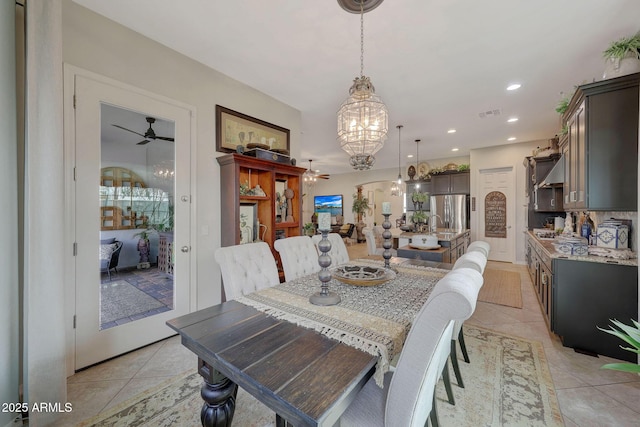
[[475, 260], [246, 268], [338, 252], [298, 255], [481, 246]]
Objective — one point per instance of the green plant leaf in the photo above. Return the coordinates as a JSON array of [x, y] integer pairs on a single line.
[[625, 367]]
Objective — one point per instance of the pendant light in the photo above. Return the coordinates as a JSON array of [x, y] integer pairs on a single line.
[[362, 117], [417, 161], [309, 176], [396, 190]]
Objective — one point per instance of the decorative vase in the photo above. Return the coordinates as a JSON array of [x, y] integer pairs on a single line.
[[616, 67]]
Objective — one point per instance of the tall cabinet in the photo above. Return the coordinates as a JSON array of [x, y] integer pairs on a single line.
[[601, 151], [259, 213]]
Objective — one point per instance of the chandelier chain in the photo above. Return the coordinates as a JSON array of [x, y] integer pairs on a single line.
[[361, 38]]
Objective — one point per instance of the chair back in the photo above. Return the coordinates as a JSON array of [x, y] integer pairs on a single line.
[[481, 246], [475, 260], [298, 255], [425, 352], [338, 253], [246, 268], [371, 240], [469, 277], [115, 256]]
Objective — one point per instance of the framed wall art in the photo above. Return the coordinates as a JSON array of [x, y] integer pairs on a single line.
[[234, 128]]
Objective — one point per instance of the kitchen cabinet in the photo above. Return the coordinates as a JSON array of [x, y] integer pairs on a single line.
[[545, 199], [601, 151], [455, 247], [539, 264], [259, 211], [451, 183], [588, 295]]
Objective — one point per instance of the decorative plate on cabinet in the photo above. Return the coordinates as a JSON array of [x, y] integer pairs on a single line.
[[411, 172]]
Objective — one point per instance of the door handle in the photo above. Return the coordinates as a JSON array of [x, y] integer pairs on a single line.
[[185, 249]]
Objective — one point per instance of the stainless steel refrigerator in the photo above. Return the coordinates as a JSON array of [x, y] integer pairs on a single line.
[[452, 209]]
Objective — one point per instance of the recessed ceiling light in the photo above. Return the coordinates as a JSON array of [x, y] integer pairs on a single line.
[[513, 138], [512, 119], [451, 131], [409, 155], [454, 149], [514, 86]]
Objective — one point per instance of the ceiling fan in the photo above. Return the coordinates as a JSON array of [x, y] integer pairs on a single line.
[[149, 134], [314, 174]]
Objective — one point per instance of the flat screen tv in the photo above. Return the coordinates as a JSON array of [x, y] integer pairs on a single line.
[[331, 204]]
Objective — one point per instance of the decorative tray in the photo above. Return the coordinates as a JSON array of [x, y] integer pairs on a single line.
[[362, 275], [425, 247]]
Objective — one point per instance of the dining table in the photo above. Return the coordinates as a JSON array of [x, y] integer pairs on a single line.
[[305, 362]]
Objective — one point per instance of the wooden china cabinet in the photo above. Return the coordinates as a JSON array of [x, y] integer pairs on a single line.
[[275, 179]]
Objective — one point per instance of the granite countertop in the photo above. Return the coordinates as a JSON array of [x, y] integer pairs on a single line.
[[442, 233], [547, 245]]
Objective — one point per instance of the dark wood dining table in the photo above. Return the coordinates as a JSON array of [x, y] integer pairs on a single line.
[[305, 377]]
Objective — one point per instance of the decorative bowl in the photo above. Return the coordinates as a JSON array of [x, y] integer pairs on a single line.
[[362, 275]]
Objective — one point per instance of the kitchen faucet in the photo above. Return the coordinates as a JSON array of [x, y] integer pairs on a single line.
[[434, 227]]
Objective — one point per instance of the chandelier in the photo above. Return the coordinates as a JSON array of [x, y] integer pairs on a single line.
[[164, 171], [362, 117], [396, 189], [309, 177]]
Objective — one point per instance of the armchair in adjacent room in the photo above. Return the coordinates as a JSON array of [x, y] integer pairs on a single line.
[[109, 256]]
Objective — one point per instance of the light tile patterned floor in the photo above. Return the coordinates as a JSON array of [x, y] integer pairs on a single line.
[[588, 395]]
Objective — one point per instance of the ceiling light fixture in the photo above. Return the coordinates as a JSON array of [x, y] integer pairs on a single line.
[[396, 190], [451, 131], [362, 117], [309, 177], [514, 86], [512, 120], [454, 149], [513, 138]]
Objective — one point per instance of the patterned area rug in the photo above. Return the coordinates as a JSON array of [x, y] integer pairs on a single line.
[[501, 287], [507, 383], [120, 299]]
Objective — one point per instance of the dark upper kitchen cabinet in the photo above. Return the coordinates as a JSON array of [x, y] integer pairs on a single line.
[[601, 151], [451, 183], [545, 199], [417, 186]]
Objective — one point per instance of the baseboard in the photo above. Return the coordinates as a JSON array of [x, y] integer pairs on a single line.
[[16, 421]]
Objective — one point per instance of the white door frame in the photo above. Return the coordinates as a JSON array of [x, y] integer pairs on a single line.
[[511, 211], [70, 74]]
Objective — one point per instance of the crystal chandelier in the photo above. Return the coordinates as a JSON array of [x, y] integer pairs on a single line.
[[362, 117], [396, 189], [164, 171], [309, 177]]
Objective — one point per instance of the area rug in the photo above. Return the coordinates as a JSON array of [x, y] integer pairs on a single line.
[[501, 287], [507, 383], [119, 299]]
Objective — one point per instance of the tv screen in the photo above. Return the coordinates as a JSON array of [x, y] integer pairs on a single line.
[[331, 204]]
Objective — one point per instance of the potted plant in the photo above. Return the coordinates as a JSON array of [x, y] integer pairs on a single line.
[[360, 207], [309, 229], [630, 335], [622, 57]]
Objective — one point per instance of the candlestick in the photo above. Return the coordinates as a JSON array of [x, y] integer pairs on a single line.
[[324, 297], [324, 221], [386, 208], [386, 235]]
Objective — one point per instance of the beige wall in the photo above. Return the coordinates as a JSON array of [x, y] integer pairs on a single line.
[[104, 47]]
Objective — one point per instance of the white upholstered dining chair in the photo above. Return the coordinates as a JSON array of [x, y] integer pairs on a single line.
[[298, 255], [338, 253], [246, 268], [408, 396], [476, 262]]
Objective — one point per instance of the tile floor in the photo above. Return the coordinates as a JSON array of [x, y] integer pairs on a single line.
[[588, 395]]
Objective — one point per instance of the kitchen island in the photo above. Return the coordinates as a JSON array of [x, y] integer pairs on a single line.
[[452, 245], [577, 294]]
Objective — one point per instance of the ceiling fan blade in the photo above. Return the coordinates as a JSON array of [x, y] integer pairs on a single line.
[[325, 176], [164, 138], [146, 141], [128, 130]]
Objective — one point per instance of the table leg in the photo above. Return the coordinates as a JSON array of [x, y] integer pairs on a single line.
[[219, 395]]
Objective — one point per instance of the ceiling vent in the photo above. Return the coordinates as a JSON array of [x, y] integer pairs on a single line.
[[490, 113]]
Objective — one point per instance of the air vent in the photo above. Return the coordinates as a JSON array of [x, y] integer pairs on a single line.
[[490, 113]]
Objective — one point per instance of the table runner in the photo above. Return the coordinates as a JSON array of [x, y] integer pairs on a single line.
[[374, 319]]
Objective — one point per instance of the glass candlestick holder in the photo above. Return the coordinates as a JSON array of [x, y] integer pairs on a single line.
[[324, 297]]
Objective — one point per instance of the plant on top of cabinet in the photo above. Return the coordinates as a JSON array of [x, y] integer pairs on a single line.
[[623, 57]]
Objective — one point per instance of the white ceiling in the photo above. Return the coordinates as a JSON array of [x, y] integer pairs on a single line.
[[436, 64]]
